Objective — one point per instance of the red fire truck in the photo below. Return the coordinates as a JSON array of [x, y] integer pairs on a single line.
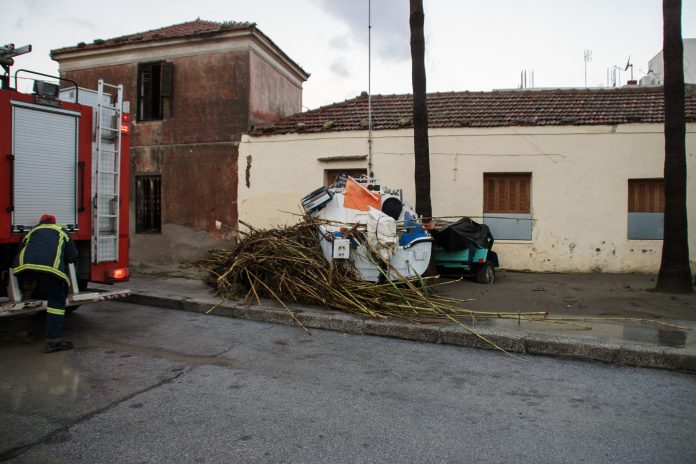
[[65, 152]]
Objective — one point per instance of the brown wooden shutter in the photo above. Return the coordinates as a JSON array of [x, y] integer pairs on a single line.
[[507, 193], [646, 196], [166, 76]]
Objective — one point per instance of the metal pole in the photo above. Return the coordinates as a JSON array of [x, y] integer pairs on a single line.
[[588, 58], [369, 89], [585, 68], [585, 73]]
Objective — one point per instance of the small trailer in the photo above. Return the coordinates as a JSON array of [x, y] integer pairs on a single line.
[[465, 246]]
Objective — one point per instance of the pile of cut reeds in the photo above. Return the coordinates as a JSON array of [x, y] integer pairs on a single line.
[[286, 264]]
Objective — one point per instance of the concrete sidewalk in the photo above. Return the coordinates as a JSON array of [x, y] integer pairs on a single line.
[[628, 341]]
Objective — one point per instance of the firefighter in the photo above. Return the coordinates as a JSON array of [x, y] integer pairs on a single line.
[[43, 256]]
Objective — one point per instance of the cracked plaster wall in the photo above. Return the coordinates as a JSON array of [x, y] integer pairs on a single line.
[[579, 192]]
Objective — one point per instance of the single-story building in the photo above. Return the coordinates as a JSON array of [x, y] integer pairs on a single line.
[[568, 180]]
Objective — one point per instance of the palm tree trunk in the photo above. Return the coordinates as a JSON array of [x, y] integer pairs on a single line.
[[420, 112], [675, 273]]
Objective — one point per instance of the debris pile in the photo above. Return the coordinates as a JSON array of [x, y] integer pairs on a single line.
[[287, 264]]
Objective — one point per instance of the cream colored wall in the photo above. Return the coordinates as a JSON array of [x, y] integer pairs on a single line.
[[579, 184]]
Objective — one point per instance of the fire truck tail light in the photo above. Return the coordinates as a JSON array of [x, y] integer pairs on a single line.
[[118, 274], [125, 123]]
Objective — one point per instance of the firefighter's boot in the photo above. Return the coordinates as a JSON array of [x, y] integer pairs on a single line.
[[53, 345]]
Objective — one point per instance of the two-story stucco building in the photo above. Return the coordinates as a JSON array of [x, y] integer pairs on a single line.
[[194, 89]]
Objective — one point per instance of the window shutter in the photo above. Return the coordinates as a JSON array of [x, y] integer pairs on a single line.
[[507, 193], [166, 76], [646, 196]]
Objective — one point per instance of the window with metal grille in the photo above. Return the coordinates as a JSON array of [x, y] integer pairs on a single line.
[[507, 205], [154, 84], [646, 207], [148, 204]]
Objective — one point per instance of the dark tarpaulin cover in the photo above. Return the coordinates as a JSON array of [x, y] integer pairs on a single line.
[[465, 233]]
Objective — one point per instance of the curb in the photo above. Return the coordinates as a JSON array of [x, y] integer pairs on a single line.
[[579, 347]]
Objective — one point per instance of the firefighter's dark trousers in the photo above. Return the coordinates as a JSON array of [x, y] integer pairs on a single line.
[[53, 289]]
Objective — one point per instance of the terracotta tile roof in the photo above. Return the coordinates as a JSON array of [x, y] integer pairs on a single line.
[[489, 109], [198, 27]]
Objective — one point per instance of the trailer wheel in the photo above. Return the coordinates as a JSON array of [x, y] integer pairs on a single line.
[[485, 274]]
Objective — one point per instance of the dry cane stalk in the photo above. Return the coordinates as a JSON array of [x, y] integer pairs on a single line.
[[287, 264]]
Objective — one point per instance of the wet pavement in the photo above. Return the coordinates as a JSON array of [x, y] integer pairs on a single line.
[[625, 295], [595, 299], [152, 385], [607, 317]]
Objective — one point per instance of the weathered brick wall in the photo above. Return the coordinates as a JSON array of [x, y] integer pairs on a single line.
[[272, 95], [193, 148], [199, 187], [210, 101], [122, 74], [199, 182]]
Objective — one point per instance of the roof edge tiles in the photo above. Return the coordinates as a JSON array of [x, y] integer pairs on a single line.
[[197, 28], [499, 108]]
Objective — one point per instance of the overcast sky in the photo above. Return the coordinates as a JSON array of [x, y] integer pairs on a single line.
[[470, 45]]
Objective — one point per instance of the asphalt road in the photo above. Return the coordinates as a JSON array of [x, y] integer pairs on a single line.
[[149, 385]]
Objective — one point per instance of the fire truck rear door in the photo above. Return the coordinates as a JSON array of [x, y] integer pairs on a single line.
[[45, 144]]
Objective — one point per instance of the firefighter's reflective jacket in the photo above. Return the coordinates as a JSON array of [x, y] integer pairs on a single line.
[[46, 248]]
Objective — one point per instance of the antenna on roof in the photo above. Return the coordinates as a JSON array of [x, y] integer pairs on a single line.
[[616, 78], [526, 79], [588, 58], [629, 65]]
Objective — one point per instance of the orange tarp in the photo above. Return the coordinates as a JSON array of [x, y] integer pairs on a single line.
[[358, 197]]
